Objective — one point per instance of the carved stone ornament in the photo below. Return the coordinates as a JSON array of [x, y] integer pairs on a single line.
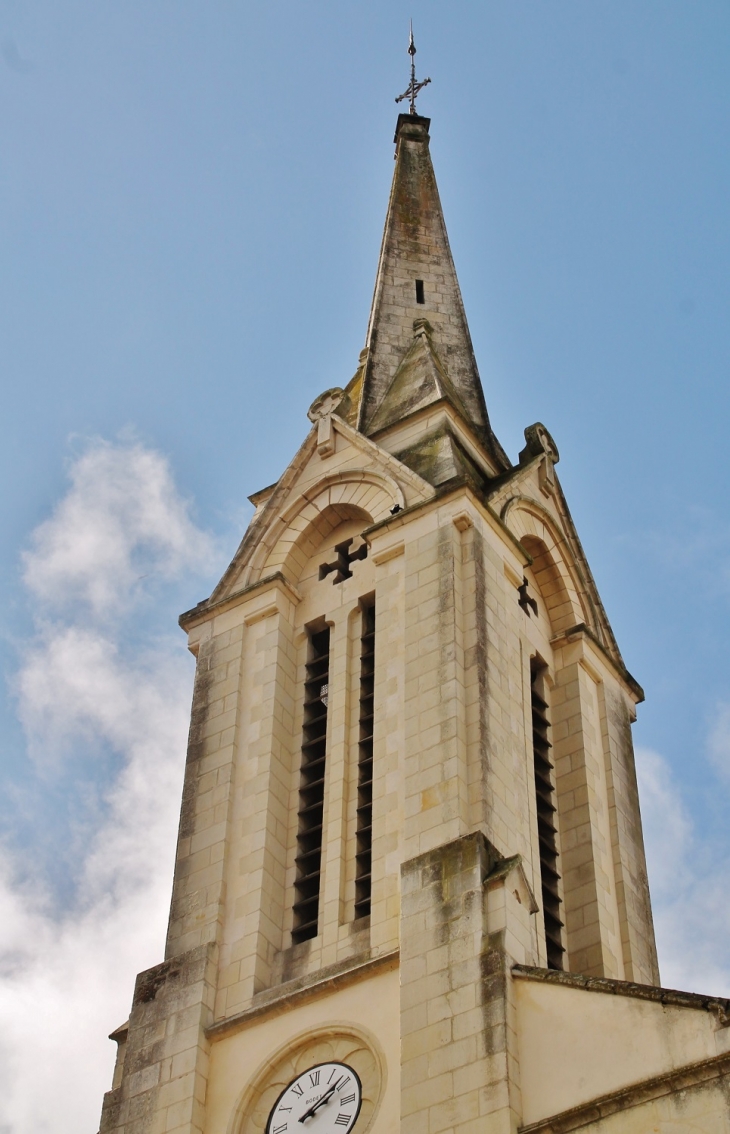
[[539, 441], [320, 412], [325, 404]]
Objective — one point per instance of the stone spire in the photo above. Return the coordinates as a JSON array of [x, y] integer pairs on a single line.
[[416, 287]]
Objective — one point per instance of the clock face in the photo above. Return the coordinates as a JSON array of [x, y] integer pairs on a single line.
[[325, 1099]]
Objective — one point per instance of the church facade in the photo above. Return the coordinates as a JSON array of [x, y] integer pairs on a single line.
[[410, 890]]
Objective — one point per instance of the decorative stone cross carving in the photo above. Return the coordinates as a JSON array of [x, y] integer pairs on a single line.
[[320, 412], [526, 601], [342, 563]]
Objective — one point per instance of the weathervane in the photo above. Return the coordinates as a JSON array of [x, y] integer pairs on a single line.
[[411, 93]]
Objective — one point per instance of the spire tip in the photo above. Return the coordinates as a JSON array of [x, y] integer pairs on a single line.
[[413, 88]]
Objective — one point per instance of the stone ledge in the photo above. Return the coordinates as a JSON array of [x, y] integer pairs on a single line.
[[693, 1075], [204, 609], [695, 1000], [452, 488], [277, 1000], [580, 629]]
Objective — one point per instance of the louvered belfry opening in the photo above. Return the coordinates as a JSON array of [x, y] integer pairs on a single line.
[[364, 826], [311, 788], [546, 828]]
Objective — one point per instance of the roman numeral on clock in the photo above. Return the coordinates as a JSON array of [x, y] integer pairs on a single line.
[[314, 1078], [349, 1099], [297, 1090], [280, 1129], [342, 1119]]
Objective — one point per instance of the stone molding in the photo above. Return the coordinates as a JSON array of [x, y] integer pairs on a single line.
[[203, 611], [436, 416], [580, 630], [267, 524], [340, 1041], [294, 992], [527, 517], [453, 490], [714, 1004]]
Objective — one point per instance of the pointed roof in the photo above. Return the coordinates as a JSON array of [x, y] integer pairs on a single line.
[[416, 280], [420, 380]]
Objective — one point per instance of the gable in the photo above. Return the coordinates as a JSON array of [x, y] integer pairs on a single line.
[[530, 501], [356, 480], [420, 380]]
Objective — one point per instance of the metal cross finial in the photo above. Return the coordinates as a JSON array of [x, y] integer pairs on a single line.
[[411, 93]]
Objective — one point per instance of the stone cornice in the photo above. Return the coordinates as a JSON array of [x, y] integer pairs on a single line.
[[443, 495], [206, 609], [581, 629], [466, 434], [716, 1004], [274, 1001]]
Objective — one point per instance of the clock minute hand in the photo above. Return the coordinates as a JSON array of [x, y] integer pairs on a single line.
[[320, 1102]]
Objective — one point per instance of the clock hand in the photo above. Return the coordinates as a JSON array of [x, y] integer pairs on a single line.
[[320, 1102]]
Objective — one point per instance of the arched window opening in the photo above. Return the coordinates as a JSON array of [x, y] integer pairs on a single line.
[[334, 730], [546, 811], [311, 787], [364, 824], [551, 578]]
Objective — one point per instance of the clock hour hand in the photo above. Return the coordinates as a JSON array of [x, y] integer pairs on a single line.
[[320, 1102]]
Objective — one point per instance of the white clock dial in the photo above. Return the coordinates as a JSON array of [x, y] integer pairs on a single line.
[[325, 1099]]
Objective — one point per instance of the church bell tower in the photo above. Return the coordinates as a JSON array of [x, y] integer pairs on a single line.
[[410, 891]]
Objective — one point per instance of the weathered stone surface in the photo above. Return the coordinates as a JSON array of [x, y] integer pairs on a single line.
[[486, 617], [416, 247], [164, 1059]]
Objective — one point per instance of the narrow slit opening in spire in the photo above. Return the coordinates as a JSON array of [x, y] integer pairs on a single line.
[[420, 295]]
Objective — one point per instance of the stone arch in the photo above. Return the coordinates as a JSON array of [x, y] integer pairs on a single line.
[[334, 1042], [550, 583], [310, 517], [297, 555], [552, 562]]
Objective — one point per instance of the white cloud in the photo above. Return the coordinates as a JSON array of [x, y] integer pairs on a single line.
[[689, 877], [667, 826], [121, 522], [66, 978]]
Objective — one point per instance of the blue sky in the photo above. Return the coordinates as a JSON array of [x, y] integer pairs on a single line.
[[191, 203]]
